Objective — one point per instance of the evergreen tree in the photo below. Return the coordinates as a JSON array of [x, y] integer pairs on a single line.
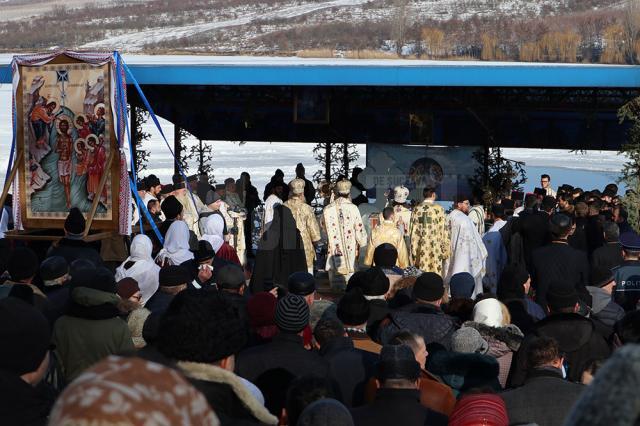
[[630, 173], [496, 175], [202, 153]]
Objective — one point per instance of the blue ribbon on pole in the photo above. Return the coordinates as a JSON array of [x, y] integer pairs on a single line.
[[157, 123], [14, 138], [122, 107]]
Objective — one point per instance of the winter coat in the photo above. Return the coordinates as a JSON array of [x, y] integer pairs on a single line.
[[577, 338], [59, 298], [434, 394], [159, 302], [90, 331], [612, 397], [349, 368], [23, 404], [424, 319], [545, 398], [533, 226], [503, 343], [284, 351], [72, 250], [396, 406], [463, 372], [608, 256], [559, 263], [604, 311], [227, 395]]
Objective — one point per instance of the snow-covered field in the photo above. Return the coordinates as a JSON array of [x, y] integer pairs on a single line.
[[261, 159]]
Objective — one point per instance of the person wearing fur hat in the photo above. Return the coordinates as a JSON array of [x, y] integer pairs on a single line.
[[346, 236], [72, 246], [388, 233], [206, 354], [430, 237], [546, 397], [577, 336], [22, 267], [504, 339], [24, 359], [286, 349], [424, 316], [92, 327], [54, 272], [172, 280], [559, 263], [354, 312], [434, 394], [398, 399], [305, 217], [349, 367]]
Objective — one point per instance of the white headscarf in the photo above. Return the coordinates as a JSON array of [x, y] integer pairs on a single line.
[[213, 231], [144, 270], [488, 312], [176, 244]]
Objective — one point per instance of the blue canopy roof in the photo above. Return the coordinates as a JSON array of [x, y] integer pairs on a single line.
[[243, 70]]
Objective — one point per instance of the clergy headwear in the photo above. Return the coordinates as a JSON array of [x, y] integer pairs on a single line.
[[192, 178], [400, 194], [75, 223], [171, 207], [297, 186], [343, 187]]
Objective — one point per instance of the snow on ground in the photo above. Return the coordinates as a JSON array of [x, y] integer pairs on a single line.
[[261, 159], [135, 41]]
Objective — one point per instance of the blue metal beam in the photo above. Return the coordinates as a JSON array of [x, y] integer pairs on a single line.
[[198, 70]]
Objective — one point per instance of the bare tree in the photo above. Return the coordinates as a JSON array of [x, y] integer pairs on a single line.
[[399, 28]]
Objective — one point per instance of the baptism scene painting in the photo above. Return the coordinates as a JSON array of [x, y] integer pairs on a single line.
[[66, 139]]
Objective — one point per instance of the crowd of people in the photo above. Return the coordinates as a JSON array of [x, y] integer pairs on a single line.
[[520, 312]]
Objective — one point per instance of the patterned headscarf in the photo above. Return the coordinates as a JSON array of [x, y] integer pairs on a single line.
[[128, 391]]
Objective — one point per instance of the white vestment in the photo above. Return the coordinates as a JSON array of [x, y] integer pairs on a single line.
[[496, 256], [269, 204], [345, 235], [468, 253]]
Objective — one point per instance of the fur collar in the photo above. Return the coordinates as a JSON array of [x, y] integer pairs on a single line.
[[211, 373], [509, 334]]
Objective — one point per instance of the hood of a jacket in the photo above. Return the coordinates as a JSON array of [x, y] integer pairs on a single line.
[[85, 296], [600, 298], [510, 335], [211, 373], [572, 331]]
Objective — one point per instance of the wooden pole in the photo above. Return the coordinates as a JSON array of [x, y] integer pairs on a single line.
[[96, 198], [12, 176]]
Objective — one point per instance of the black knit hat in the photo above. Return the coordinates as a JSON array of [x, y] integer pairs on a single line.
[[102, 280], [301, 283], [171, 207], [600, 276], [231, 276], [25, 336], [174, 275], [75, 223], [561, 296], [511, 284], [23, 263], [292, 313], [353, 308], [397, 362], [205, 252], [200, 326], [428, 287], [375, 282], [53, 268], [462, 285], [385, 256]]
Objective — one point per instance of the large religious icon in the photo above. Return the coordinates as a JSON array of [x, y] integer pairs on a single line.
[[65, 130]]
